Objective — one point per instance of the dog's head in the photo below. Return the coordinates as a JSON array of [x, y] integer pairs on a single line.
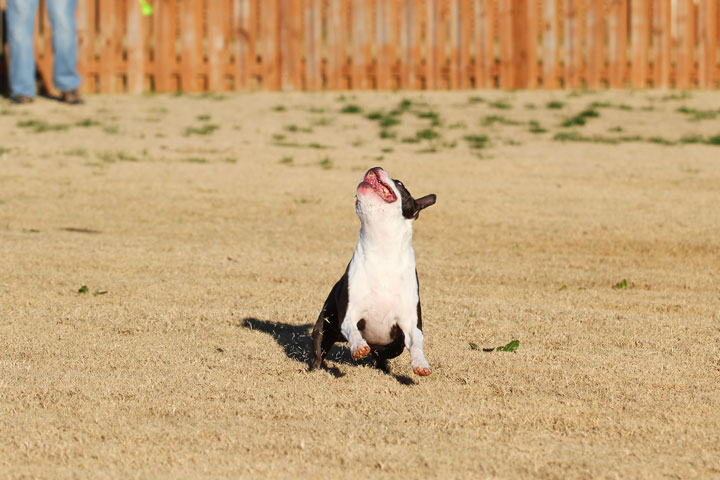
[[381, 197]]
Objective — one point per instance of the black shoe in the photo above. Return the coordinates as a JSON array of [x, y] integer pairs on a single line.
[[19, 99], [71, 97]]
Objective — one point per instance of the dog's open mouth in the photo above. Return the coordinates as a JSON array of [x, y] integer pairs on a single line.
[[379, 187]]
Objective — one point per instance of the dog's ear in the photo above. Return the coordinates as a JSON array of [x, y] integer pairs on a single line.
[[426, 201]]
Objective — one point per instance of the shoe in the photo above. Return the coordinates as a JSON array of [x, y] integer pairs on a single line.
[[19, 99], [71, 97]]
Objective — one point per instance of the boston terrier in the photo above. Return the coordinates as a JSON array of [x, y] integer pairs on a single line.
[[375, 306]]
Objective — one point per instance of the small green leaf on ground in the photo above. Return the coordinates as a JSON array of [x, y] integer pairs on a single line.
[[99, 292], [83, 289], [563, 288], [510, 347], [474, 346], [622, 285]]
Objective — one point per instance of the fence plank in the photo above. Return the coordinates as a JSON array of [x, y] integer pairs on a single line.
[[662, 41], [217, 45], [707, 36], [617, 32], [163, 43], [550, 45], [382, 39], [191, 35], [685, 43], [85, 20], [595, 42], [244, 51], [505, 36], [337, 42], [572, 41], [531, 44], [135, 49], [639, 39]]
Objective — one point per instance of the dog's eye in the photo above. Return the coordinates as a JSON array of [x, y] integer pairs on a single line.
[[399, 183]]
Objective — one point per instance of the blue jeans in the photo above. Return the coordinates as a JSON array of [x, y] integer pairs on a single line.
[[20, 22]]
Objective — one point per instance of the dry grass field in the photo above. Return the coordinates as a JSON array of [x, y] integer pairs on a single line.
[[207, 231]]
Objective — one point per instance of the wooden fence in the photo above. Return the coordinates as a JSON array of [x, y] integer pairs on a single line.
[[218, 45]]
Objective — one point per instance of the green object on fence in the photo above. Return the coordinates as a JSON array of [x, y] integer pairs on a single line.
[[145, 8]]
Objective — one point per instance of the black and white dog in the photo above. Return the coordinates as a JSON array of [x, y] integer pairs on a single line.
[[375, 306]]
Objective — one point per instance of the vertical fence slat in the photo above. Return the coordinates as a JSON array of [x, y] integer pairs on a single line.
[[108, 38], [505, 35], [572, 40], [217, 43], [270, 33], [382, 44], [617, 32], [662, 41], [406, 43], [86, 41], [359, 57], [595, 41], [707, 37], [313, 78], [550, 44], [336, 54], [135, 49], [191, 15], [163, 37], [244, 43], [531, 44], [685, 43], [455, 41], [639, 39], [484, 37], [433, 56]]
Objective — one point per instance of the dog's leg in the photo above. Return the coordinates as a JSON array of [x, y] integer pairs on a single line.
[[318, 355], [358, 346], [414, 343]]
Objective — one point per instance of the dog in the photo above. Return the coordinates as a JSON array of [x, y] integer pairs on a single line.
[[375, 306]]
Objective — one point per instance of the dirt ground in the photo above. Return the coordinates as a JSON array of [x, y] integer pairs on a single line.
[[208, 230]]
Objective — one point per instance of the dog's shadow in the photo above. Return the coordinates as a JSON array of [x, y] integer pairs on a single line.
[[295, 341]]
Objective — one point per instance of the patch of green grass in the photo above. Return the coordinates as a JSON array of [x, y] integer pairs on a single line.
[[501, 104], [697, 115], [684, 95], [389, 121], [321, 122], [112, 157], [411, 140], [580, 118], [375, 115], [427, 134], [351, 108], [536, 128], [206, 129], [661, 141], [578, 137], [477, 142], [88, 122], [358, 142], [493, 119], [510, 347], [278, 137], [203, 118], [279, 108], [692, 138], [555, 104], [40, 126], [387, 150], [621, 285], [111, 129], [428, 150], [457, 125], [230, 160], [615, 129], [476, 99], [286, 160], [4, 150], [326, 163], [387, 134], [434, 117], [195, 160], [295, 128], [714, 140]]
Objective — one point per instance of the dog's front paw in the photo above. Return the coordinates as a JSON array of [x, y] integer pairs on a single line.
[[361, 351], [423, 371]]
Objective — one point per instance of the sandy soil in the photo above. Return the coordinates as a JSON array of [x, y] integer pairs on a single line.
[[217, 246]]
